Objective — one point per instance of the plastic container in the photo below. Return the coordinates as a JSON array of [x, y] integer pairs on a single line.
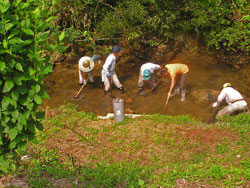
[[118, 107]]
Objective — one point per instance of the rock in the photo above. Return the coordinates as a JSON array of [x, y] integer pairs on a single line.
[[201, 96]]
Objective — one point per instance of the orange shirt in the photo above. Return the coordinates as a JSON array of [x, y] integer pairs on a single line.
[[176, 69]]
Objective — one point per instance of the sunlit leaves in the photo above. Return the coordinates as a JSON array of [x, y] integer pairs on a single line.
[[2, 65], [61, 36], [24, 33], [42, 36], [12, 133], [28, 31], [4, 6], [8, 86]]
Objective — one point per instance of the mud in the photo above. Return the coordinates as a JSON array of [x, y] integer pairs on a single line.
[[205, 73]]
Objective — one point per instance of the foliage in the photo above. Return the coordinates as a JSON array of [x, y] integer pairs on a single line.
[[24, 63], [221, 25]]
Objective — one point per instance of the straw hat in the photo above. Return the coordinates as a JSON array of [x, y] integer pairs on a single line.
[[226, 85], [86, 65]]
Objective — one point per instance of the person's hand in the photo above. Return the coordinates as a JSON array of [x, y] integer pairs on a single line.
[[215, 105], [154, 84], [169, 94], [108, 74]]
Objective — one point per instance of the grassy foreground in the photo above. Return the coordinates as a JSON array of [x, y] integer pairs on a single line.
[[78, 150]]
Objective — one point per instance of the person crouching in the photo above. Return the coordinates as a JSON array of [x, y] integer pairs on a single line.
[[86, 65], [235, 101]]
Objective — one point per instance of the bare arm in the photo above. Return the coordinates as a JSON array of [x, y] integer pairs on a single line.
[[172, 86]]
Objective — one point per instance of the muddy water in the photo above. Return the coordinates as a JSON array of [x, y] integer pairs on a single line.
[[205, 73]]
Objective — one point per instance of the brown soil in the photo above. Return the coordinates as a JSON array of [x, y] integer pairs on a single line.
[[143, 141]]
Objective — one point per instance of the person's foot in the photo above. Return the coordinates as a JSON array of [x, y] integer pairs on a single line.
[[80, 84], [140, 91], [106, 92], [183, 99], [122, 90]]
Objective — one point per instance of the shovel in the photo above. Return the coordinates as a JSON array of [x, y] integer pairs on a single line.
[[166, 103], [155, 85], [109, 78], [77, 95]]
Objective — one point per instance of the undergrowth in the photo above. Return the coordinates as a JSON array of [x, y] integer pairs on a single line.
[[221, 163]]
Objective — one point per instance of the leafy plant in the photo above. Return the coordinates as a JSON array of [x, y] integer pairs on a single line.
[[24, 63]]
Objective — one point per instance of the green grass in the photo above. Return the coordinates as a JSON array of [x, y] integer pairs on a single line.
[[150, 151]]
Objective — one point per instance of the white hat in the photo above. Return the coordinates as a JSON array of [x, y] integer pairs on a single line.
[[86, 65]]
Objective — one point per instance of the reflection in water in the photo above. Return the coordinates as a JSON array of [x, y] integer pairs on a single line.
[[205, 73]]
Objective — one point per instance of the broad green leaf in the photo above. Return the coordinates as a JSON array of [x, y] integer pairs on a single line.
[[5, 102], [13, 103], [4, 6], [5, 43], [15, 114], [32, 71], [16, 3], [50, 47], [50, 19], [19, 67], [22, 120], [45, 95], [18, 80], [28, 31], [27, 42], [85, 33], [37, 12], [2, 65], [61, 49], [37, 88], [47, 69], [38, 99], [15, 40], [12, 145], [30, 105], [24, 5], [61, 36], [1, 142], [8, 26], [42, 36], [25, 23], [12, 133], [8, 86]]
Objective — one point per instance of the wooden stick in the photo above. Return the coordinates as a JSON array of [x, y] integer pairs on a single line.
[[166, 102], [155, 86], [81, 89], [110, 84]]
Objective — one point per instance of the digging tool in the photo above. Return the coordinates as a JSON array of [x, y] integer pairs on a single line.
[[109, 78], [76, 96], [166, 102], [155, 85]]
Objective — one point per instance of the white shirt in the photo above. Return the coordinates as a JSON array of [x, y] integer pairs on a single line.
[[229, 94], [151, 67], [109, 65]]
